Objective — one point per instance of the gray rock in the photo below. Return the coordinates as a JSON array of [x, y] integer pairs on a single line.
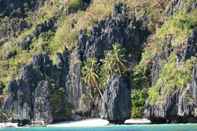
[[42, 108], [191, 47], [31, 96], [116, 105], [19, 100], [188, 99], [120, 28], [73, 84]]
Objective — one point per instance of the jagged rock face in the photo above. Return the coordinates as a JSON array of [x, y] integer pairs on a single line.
[[188, 99], [181, 103], [19, 100], [73, 84], [18, 8], [42, 76], [156, 63], [163, 111], [116, 104], [42, 108], [190, 48], [29, 96], [119, 28], [180, 106]]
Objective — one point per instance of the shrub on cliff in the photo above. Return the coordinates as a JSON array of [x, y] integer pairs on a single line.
[[137, 103], [180, 26]]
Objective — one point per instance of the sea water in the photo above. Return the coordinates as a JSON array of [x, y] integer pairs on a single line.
[[151, 127]]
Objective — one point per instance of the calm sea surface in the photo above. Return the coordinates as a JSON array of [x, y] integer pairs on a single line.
[[164, 127]]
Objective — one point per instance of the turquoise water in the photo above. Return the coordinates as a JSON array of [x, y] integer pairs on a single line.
[[164, 127]]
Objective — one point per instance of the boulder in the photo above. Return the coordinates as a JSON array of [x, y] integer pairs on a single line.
[[116, 104]]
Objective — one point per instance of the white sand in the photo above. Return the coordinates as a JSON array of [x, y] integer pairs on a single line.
[[82, 123], [137, 121], [8, 124]]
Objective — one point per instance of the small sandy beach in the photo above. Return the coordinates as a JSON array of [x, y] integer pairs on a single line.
[[83, 123]]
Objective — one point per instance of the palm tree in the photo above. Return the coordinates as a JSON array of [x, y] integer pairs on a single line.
[[113, 63], [89, 74]]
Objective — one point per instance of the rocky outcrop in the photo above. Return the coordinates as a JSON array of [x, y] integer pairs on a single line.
[[74, 88], [30, 97], [19, 100], [56, 92], [42, 108], [120, 28], [190, 48], [188, 99], [116, 104], [180, 104]]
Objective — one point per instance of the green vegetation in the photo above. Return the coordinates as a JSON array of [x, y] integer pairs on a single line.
[[140, 77], [172, 77], [137, 103], [90, 75], [113, 63], [74, 5], [97, 76], [153, 9], [89, 72], [66, 34], [60, 107], [9, 68], [73, 17], [179, 26]]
